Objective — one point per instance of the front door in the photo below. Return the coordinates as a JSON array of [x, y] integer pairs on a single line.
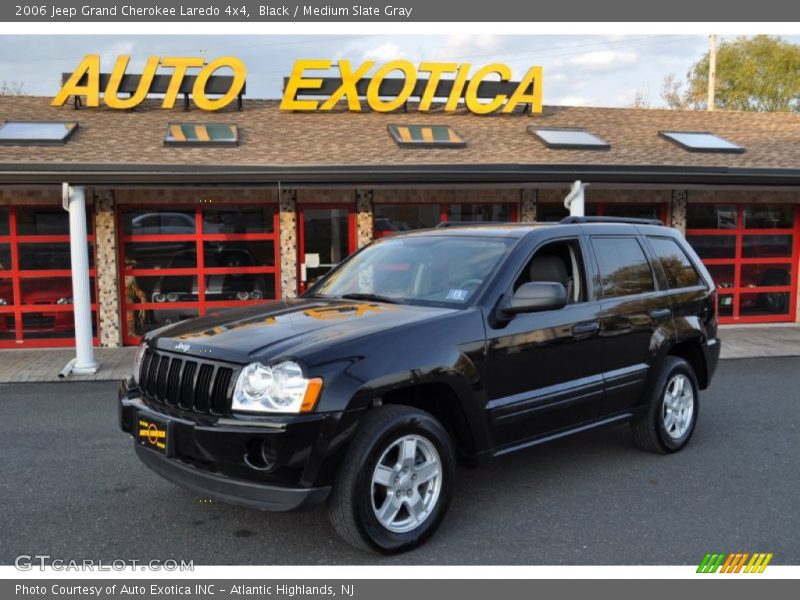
[[544, 368], [326, 236]]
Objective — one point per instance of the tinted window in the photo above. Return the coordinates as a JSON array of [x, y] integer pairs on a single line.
[[677, 267], [624, 269]]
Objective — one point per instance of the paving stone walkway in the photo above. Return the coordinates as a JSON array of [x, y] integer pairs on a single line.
[[40, 365]]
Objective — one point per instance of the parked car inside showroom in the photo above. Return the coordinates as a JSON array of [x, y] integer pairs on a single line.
[[421, 350]]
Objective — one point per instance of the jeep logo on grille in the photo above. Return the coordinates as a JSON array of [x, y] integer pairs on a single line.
[[183, 347]]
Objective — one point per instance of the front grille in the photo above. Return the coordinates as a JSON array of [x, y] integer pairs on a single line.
[[186, 383]]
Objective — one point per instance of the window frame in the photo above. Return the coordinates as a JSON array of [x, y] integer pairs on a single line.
[[401, 143], [588, 266], [41, 141], [656, 259], [534, 131], [599, 271], [666, 134], [200, 143]]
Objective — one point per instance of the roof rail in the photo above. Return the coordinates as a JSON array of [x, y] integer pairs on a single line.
[[632, 221], [445, 224]]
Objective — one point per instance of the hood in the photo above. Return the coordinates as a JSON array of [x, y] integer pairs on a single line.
[[285, 328]]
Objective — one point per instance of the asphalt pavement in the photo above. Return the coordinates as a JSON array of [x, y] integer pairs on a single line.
[[72, 488]]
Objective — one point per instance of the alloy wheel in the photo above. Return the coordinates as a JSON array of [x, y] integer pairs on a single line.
[[678, 408], [406, 483]]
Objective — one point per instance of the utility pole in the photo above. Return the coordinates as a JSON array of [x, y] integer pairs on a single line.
[[712, 71]]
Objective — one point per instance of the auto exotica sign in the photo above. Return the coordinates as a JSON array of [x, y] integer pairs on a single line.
[[486, 89], [86, 78], [451, 81]]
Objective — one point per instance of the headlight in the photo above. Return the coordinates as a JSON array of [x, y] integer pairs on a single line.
[[159, 297], [137, 362], [3, 302], [281, 388], [256, 295], [172, 297], [64, 301]]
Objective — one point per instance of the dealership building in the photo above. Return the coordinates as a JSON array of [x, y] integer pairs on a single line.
[[191, 211]]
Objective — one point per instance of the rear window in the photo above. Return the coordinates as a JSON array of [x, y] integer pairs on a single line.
[[679, 270], [624, 269]]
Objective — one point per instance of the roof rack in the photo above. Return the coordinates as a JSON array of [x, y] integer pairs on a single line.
[[573, 219], [445, 224]]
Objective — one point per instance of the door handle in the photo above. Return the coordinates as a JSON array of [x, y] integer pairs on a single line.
[[660, 313], [585, 327]]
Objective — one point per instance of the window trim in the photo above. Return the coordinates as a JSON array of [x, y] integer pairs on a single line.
[[647, 257], [590, 294], [401, 143], [666, 134], [534, 129], [200, 143], [72, 127], [703, 284]]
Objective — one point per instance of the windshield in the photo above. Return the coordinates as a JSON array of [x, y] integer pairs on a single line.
[[433, 270]]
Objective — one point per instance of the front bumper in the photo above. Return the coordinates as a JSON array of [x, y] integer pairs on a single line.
[[228, 490], [269, 463]]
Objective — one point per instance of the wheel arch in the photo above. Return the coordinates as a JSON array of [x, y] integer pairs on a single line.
[[442, 401], [691, 351]]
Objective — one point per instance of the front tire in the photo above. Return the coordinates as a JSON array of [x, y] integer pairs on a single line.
[[395, 482], [671, 415]]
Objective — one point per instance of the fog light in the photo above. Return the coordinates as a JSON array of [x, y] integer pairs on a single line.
[[260, 456]]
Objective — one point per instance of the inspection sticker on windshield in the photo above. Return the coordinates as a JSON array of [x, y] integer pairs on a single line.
[[456, 294]]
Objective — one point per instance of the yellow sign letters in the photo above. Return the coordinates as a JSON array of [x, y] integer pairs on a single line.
[[528, 91], [89, 68]]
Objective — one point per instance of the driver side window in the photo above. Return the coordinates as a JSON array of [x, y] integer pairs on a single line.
[[560, 262]]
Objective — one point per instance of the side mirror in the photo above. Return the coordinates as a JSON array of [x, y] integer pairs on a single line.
[[536, 296]]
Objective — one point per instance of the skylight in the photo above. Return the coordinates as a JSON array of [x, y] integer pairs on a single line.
[[36, 132], [426, 136], [568, 138], [202, 134], [700, 141]]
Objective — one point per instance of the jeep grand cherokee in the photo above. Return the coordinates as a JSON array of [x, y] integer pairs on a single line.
[[424, 348]]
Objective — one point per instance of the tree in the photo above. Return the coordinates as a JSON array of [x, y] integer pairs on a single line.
[[12, 88], [760, 73], [640, 99], [673, 94]]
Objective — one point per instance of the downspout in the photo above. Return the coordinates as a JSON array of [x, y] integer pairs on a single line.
[[574, 202]]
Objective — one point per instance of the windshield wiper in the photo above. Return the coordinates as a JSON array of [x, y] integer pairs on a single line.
[[374, 297]]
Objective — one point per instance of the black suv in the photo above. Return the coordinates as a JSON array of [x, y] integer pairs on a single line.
[[424, 348]]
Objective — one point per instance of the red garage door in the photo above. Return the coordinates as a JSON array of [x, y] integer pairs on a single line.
[[179, 263], [751, 252], [36, 277]]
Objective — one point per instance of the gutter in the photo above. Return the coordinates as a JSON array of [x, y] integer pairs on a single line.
[[99, 174]]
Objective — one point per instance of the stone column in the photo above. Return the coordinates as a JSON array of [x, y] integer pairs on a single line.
[[288, 240], [364, 218], [108, 286], [677, 210], [527, 206]]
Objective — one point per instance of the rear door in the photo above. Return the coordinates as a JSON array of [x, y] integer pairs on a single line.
[[634, 309]]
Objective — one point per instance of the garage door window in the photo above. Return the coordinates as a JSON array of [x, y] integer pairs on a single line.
[[36, 277], [751, 253], [186, 262]]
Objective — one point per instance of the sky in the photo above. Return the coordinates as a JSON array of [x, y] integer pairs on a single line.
[[585, 70]]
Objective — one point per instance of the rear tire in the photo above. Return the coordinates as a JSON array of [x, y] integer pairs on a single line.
[[671, 414], [395, 482]]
